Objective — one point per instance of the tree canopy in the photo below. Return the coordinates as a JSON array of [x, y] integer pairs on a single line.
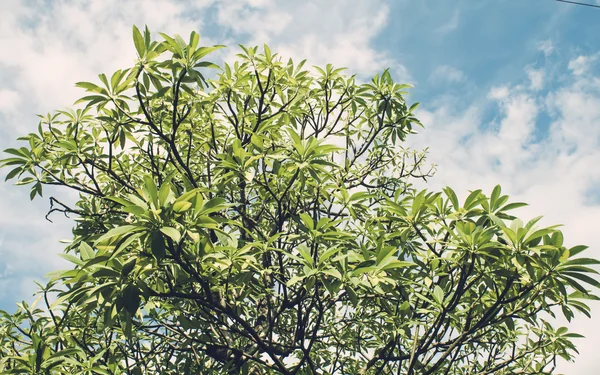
[[263, 219]]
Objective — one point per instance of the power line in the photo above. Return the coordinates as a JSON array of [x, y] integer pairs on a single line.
[[577, 3]]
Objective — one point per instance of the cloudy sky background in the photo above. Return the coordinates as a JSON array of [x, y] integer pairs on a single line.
[[510, 94]]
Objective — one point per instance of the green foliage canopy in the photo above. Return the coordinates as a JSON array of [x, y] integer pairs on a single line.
[[264, 222]]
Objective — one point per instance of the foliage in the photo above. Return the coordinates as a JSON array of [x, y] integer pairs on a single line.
[[264, 222]]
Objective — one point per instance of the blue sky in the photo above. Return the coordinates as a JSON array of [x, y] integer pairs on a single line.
[[510, 93]]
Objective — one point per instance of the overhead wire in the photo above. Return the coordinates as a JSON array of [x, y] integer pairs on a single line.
[[578, 3]]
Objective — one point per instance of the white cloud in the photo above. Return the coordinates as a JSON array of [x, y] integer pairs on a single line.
[[447, 74], [582, 64], [65, 42], [9, 99], [470, 153], [338, 32], [536, 78], [519, 112], [261, 18], [29, 244], [546, 46], [498, 93], [576, 128]]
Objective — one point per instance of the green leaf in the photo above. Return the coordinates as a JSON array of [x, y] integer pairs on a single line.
[[128, 267], [494, 197], [573, 335], [512, 236], [150, 188], [305, 253], [385, 253], [580, 261], [157, 245], [575, 250], [106, 272], [575, 284], [294, 280], [131, 299], [13, 173], [203, 51], [121, 201], [452, 196], [213, 205], [86, 251], [194, 39], [352, 295], [138, 40], [438, 295], [171, 233], [397, 264], [473, 199], [117, 232], [89, 87], [135, 210], [557, 238], [124, 242], [307, 220], [583, 277], [172, 45], [538, 234], [72, 259], [328, 254], [512, 206], [181, 206], [207, 64], [163, 193], [579, 295]]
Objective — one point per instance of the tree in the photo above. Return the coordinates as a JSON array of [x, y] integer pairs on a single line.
[[265, 222]]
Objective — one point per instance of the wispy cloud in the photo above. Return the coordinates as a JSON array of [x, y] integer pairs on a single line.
[[447, 74], [451, 24], [546, 47]]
